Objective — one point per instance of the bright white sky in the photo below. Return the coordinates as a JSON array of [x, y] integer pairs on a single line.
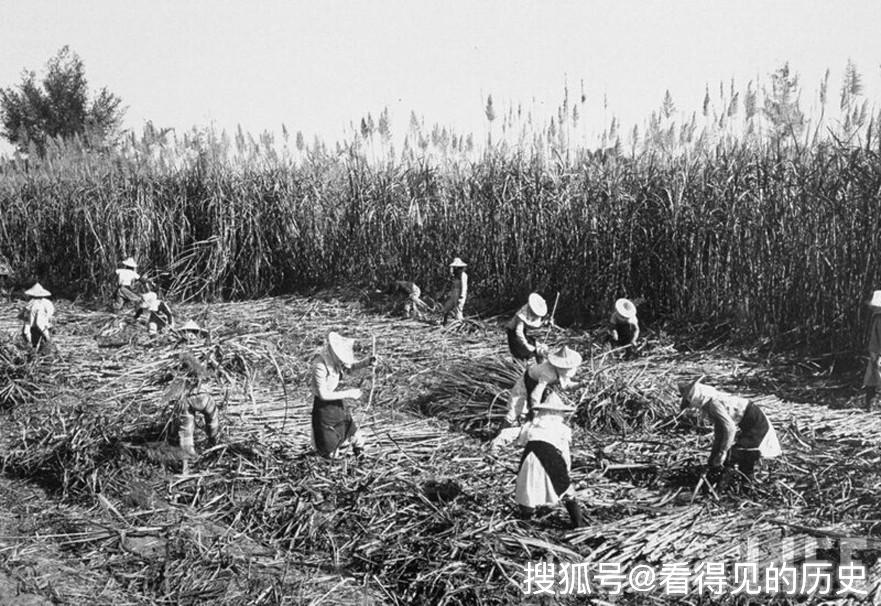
[[316, 66]]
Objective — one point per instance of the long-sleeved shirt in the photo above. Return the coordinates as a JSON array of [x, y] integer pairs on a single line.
[[517, 327], [326, 375], [39, 313], [725, 411], [125, 277]]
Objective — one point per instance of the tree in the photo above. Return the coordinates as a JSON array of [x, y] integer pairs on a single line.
[[58, 106]]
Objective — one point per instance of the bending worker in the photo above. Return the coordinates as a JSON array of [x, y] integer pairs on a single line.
[[522, 345], [531, 388], [742, 434]]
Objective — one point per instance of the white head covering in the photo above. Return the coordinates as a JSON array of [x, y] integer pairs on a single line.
[[625, 308], [457, 262], [130, 262], [342, 348], [190, 325], [37, 291], [875, 301]]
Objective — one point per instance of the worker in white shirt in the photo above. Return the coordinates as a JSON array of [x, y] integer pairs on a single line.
[[37, 318], [126, 278]]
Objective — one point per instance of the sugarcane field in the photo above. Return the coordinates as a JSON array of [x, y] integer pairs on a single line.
[[481, 304]]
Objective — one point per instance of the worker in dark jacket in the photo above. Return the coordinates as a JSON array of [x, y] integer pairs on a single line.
[[522, 345]]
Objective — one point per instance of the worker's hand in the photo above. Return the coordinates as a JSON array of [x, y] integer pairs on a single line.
[[541, 350], [355, 394]]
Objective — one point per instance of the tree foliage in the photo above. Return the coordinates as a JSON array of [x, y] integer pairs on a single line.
[[58, 106]]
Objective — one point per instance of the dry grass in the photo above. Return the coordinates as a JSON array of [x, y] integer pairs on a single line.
[[428, 518]]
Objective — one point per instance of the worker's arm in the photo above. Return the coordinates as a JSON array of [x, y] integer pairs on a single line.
[[520, 335], [724, 432], [635, 334], [320, 373], [368, 361]]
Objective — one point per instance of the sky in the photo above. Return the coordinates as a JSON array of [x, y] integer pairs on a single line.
[[318, 66]]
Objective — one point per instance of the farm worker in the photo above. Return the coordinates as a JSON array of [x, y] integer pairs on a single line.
[[530, 389], [522, 345], [872, 378], [742, 434], [624, 326], [455, 303], [414, 306], [190, 399], [160, 314], [333, 427], [37, 317], [126, 276], [190, 331], [543, 476]]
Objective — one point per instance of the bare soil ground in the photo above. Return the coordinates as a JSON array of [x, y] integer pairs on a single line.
[[94, 507]]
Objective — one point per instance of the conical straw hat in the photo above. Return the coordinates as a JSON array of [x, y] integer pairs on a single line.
[[564, 357], [537, 304], [342, 348], [625, 308], [37, 291]]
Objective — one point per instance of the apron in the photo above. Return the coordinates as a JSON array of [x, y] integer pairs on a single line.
[[756, 433]]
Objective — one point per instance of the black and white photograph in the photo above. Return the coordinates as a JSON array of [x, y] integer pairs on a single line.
[[440, 303]]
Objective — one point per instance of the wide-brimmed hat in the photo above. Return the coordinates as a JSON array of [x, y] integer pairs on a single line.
[[564, 357], [555, 403], [190, 325], [625, 308], [875, 301], [37, 291], [342, 348], [130, 262], [537, 304], [457, 262], [150, 300]]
